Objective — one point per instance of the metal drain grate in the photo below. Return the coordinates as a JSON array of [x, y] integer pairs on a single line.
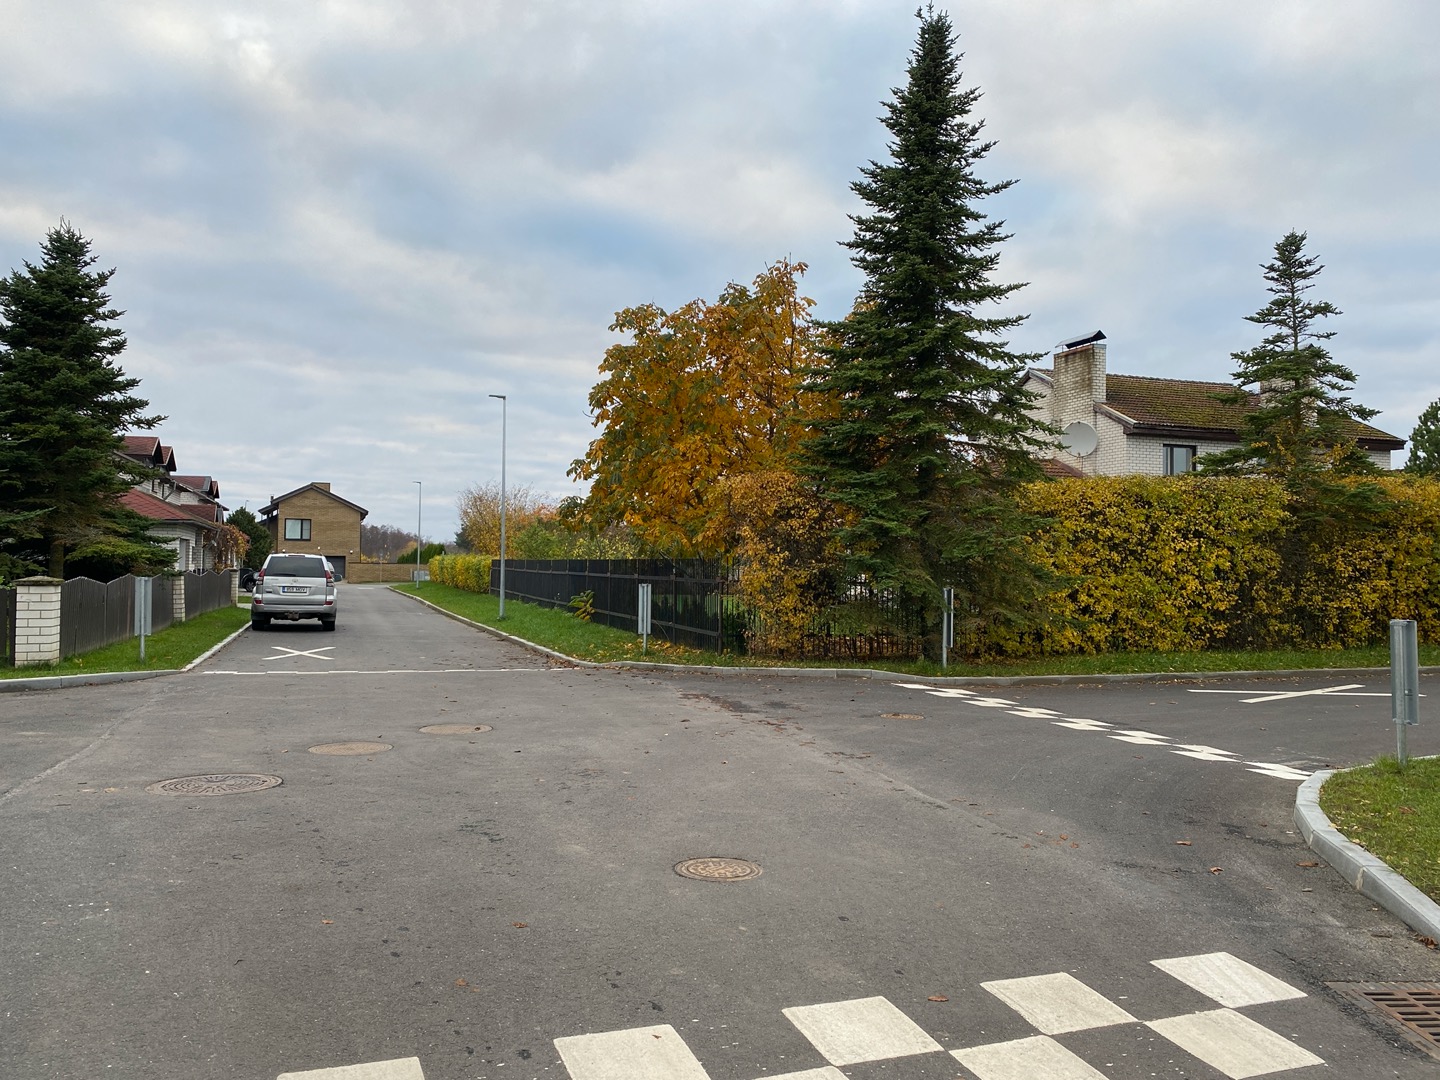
[[1415, 1007]]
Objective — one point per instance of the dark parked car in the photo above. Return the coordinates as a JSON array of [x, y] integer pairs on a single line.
[[247, 579]]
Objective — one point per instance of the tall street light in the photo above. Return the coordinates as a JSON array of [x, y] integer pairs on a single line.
[[419, 492], [503, 408]]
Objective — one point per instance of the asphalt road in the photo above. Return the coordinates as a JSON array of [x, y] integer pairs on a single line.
[[468, 899]]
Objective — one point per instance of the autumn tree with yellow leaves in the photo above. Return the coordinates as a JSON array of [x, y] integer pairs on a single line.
[[697, 395]]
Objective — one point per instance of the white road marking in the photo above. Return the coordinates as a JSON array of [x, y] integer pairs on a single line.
[[829, 1072], [1337, 691], [386, 671], [1025, 1059], [648, 1053], [397, 1069], [1058, 1003], [1235, 1045], [314, 654], [992, 702], [1228, 979], [1032, 713], [1201, 748], [865, 1029], [1206, 755], [1083, 725], [1280, 772], [1141, 738]]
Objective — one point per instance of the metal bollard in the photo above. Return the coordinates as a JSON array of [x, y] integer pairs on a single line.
[[1404, 680]]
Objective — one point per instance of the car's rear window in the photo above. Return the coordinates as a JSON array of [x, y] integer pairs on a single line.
[[295, 566]]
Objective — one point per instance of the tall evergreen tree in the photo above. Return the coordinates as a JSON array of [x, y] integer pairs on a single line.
[[931, 431], [1425, 443], [63, 404], [1304, 426]]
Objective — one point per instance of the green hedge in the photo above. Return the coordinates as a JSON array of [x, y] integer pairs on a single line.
[[1176, 563], [469, 572]]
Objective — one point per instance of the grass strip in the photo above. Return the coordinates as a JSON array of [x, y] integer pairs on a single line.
[[562, 631], [173, 647], [1393, 813]]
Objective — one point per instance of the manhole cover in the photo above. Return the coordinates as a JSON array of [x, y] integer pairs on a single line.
[[901, 716], [1415, 1007], [455, 729], [718, 869], [350, 749], [214, 784]]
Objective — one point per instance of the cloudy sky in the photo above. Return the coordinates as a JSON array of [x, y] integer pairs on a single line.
[[339, 226]]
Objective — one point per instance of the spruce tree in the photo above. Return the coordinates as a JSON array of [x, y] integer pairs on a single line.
[[1425, 443], [1303, 426], [63, 405], [930, 433]]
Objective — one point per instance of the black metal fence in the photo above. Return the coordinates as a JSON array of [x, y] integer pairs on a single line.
[[7, 627], [206, 591], [688, 595]]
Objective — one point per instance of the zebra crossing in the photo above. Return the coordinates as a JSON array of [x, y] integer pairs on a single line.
[[1134, 736], [872, 1031]]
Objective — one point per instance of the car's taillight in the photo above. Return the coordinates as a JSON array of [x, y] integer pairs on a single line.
[[329, 578]]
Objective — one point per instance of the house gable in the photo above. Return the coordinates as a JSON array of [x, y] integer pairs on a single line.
[[323, 523]]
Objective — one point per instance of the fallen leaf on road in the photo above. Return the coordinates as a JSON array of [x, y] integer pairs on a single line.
[[1182, 843], [1307, 864], [937, 997], [519, 925], [1428, 942], [327, 922], [1217, 869], [461, 982]]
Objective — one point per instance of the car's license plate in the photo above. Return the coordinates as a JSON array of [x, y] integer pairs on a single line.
[[295, 588]]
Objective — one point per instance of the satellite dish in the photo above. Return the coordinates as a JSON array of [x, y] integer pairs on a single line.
[[1080, 439]]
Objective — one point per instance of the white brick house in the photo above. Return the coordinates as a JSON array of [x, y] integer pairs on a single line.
[[1120, 425]]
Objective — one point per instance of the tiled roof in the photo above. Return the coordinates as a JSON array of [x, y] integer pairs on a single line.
[[1182, 405], [147, 505], [205, 485], [1057, 469]]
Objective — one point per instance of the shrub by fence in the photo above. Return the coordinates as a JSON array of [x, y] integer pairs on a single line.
[[469, 572]]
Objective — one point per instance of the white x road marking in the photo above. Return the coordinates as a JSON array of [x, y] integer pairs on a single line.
[[1337, 691], [314, 654]]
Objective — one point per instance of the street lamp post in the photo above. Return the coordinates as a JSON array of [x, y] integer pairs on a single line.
[[419, 543], [503, 408]]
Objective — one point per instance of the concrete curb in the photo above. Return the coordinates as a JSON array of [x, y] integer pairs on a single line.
[[58, 682], [942, 680], [214, 648], [1368, 874]]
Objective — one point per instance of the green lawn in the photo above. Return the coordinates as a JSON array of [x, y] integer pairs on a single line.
[[173, 647], [561, 631], [1393, 813]]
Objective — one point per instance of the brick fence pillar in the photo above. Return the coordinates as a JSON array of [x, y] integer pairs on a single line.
[[177, 599], [234, 586], [37, 621]]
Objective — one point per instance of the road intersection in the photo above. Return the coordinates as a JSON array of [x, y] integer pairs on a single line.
[[496, 903]]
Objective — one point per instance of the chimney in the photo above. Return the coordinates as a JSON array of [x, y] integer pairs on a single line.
[[322, 487], [1079, 379]]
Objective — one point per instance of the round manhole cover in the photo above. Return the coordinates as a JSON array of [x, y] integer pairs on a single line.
[[214, 784], [455, 729], [901, 716], [718, 869], [351, 749]]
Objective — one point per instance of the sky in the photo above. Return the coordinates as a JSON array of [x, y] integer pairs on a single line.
[[338, 227]]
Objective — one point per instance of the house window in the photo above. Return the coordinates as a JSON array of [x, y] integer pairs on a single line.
[[1179, 459], [297, 528]]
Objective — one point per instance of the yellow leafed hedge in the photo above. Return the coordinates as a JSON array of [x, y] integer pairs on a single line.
[[470, 572], [1178, 563]]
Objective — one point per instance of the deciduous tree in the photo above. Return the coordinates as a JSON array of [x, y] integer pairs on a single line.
[[697, 394], [64, 402], [931, 433], [479, 507]]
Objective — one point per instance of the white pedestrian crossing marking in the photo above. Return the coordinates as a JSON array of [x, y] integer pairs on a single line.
[[1286, 695], [1235, 1045], [1136, 736], [1055, 1004], [286, 654], [873, 1029], [866, 1029], [397, 1069], [1228, 979], [1025, 1059], [648, 1053]]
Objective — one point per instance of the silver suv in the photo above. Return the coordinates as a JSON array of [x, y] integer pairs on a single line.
[[294, 587]]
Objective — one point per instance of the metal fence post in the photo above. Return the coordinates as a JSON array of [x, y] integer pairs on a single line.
[[947, 627], [643, 617], [142, 610], [1404, 680]]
